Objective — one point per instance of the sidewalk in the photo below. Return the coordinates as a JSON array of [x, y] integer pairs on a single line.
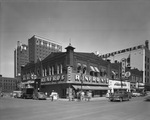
[[92, 99]]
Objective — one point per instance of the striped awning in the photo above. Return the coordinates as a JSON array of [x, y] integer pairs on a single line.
[[92, 68], [97, 70], [91, 87]]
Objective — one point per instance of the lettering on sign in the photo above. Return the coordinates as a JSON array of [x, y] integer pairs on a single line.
[[91, 79], [119, 84], [55, 78], [69, 71], [123, 65]]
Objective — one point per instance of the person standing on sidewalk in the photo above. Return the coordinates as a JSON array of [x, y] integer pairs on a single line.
[[54, 95], [89, 95]]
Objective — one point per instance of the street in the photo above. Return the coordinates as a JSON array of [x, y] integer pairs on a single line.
[[27, 109]]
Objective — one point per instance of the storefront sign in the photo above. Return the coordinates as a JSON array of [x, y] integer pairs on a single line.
[[54, 78], [92, 79], [69, 71], [119, 84], [123, 65]]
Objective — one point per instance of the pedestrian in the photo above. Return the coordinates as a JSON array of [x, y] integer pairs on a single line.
[[78, 95], [73, 95], [82, 95], [54, 95], [46, 93], [89, 95]]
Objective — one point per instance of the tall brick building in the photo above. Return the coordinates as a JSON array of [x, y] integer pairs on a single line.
[[40, 48], [21, 57], [68, 71], [8, 84]]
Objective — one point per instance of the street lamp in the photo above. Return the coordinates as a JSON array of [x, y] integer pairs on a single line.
[[81, 79]]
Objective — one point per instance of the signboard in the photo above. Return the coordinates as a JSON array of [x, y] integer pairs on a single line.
[[123, 65], [69, 71], [52, 79], [90, 79]]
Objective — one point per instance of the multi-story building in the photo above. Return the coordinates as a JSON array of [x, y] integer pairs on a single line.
[[137, 57], [8, 84], [40, 48], [69, 71], [20, 58], [73, 71]]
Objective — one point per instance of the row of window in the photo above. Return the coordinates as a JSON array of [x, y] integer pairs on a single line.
[[51, 70], [93, 71], [46, 44], [136, 79]]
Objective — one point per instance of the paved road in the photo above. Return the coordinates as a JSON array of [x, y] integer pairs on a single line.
[[20, 109]]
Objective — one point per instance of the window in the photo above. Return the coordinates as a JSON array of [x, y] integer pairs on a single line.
[[52, 70], [92, 73], [41, 42], [78, 68], [49, 70], [57, 69], [84, 69], [61, 69], [103, 72]]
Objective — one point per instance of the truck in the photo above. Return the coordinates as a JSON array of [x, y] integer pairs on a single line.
[[27, 93], [120, 96]]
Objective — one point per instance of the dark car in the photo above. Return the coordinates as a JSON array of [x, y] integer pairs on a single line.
[[39, 96], [119, 96], [27, 93]]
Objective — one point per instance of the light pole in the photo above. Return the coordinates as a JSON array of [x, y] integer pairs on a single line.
[[81, 79]]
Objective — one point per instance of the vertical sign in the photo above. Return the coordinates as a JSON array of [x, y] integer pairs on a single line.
[[69, 71], [123, 65]]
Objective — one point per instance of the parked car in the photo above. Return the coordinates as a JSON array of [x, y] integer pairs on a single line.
[[39, 96], [27, 93], [17, 94], [119, 96]]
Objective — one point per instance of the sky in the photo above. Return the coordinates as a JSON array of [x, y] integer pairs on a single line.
[[104, 26]]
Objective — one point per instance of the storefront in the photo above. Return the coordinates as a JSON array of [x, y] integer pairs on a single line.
[[63, 84], [116, 85], [71, 71]]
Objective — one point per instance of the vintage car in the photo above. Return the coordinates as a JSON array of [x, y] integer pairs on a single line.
[[119, 96]]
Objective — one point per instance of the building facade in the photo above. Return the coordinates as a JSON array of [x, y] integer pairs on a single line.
[[40, 48], [69, 71], [8, 84], [21, 57], [137, 57]]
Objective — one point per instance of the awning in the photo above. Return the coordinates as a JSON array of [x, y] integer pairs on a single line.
[[97, 70], [113, 72], [92, 68], [91, 87]]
